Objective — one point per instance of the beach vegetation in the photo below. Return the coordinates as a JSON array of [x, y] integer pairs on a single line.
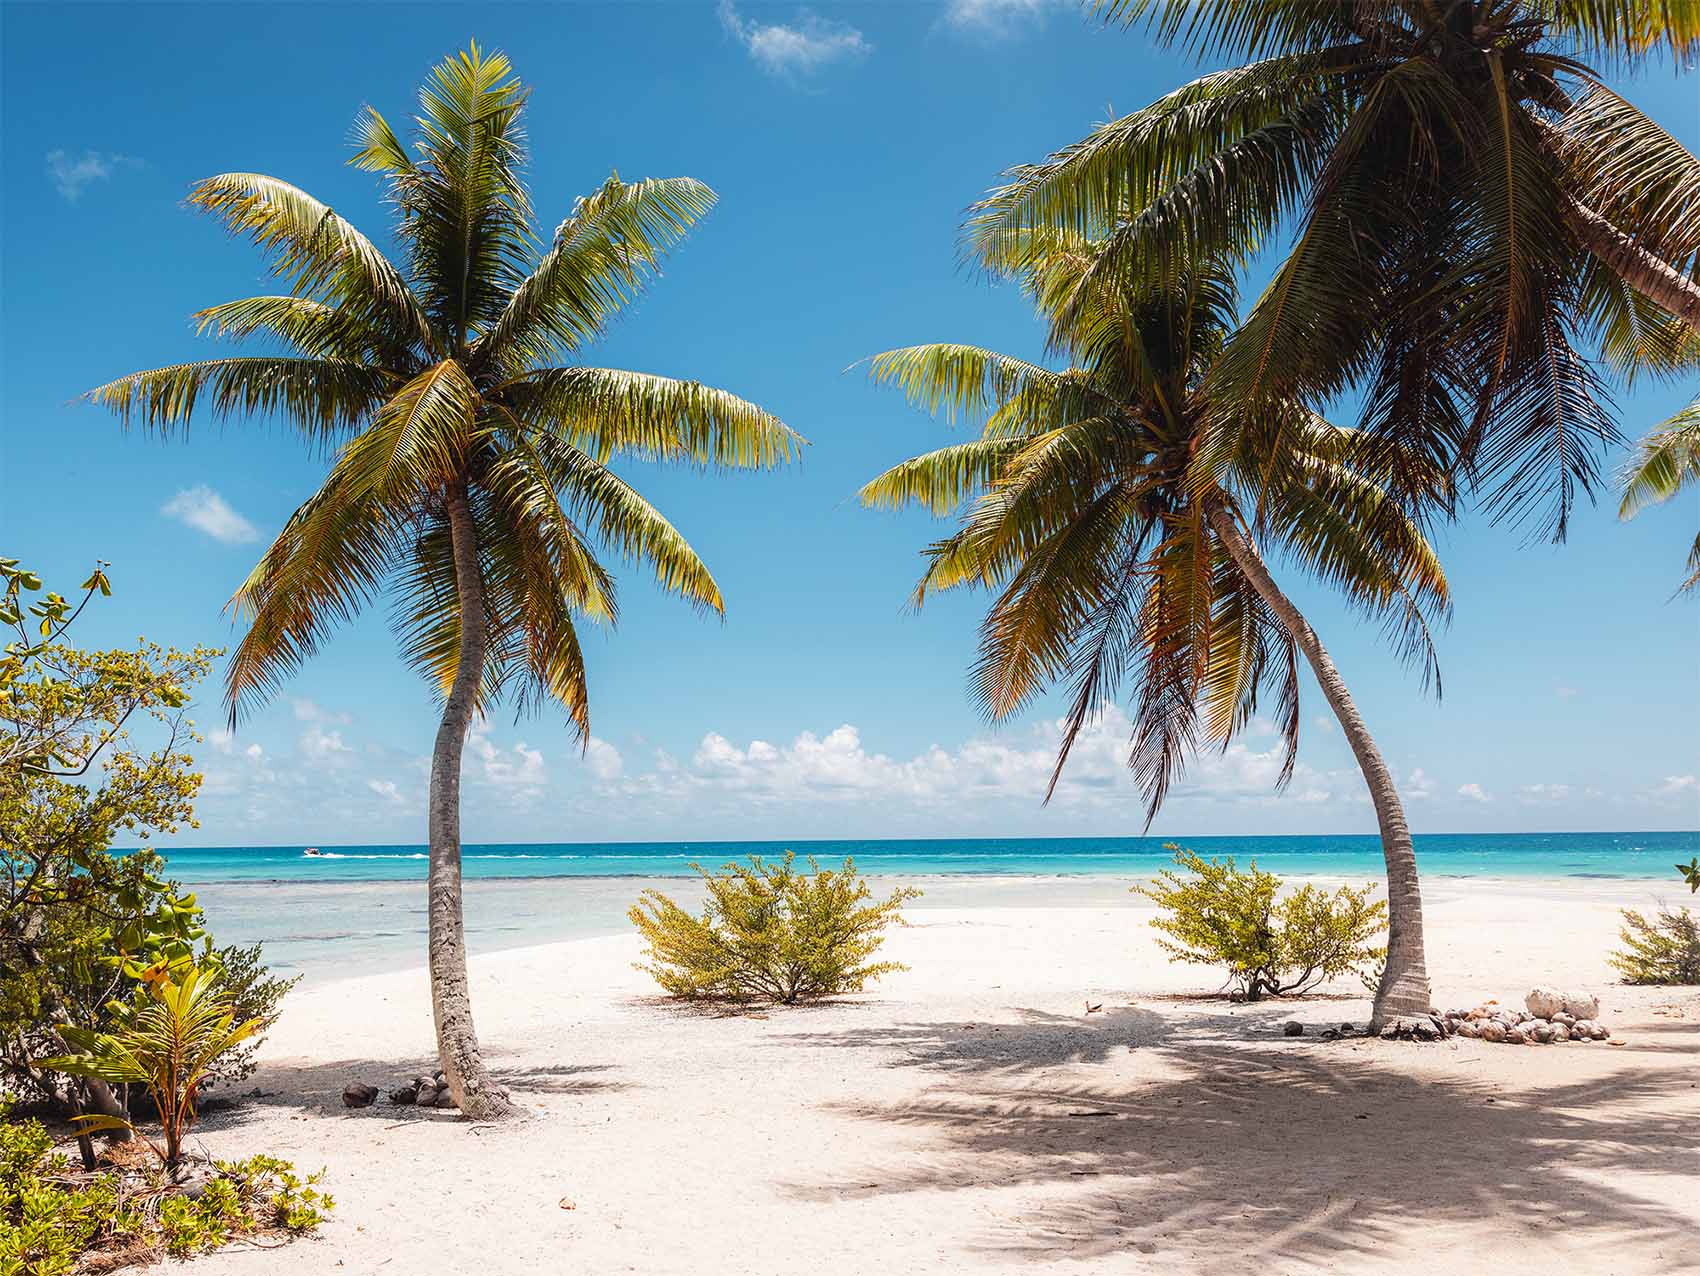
[[768, 932], [1468, 214], [1662, 949], [1272, 942], [478, 461], [1667, 461], [56, 1220], [1691, 874], [168, 1041], [79, 923]]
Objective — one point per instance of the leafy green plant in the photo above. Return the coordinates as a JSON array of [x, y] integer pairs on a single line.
[[80, 924], [169, 1044], [768, 932], [1271, 943], [55, 1220], [1691, 874], [1663, 950]]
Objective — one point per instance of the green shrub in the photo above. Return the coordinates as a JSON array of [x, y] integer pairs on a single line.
[[1663, 951], [55, 1219], [770, 933], [78, 924], [169, 1044], [1271, 944]]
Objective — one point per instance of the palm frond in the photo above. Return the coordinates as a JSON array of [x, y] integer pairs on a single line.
[[323, 398], [603, 254], [320, 253], [609, 412]]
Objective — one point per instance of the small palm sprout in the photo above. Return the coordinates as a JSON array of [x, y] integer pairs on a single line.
[[471, 475], [170, 1044]]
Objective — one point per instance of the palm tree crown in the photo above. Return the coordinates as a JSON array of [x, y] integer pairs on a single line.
[[450, 377], [1083, 510], [1471, 207]]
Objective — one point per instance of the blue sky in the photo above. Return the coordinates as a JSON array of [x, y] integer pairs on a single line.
[[844, 142]]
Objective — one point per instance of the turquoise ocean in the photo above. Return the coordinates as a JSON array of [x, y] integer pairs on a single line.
[[356, 909]]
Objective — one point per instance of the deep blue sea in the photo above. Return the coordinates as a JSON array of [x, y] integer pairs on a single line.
[[1445, 854], [358, 909]]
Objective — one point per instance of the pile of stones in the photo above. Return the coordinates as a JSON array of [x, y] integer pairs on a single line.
[[424, 1092], [1548, 1016], [421, 1092]]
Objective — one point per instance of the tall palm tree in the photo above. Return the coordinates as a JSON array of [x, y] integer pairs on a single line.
[[1468, 202], [1667, 461], [1111, 557], [471, 478]]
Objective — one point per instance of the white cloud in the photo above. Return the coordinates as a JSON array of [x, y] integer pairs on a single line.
[[317, 743], [519, 768], [1567, 693], [386, 789], [206, 511], [1676, 785], [1473, 792], [838, 767], [73, 174], [799, 49], [1323, 723], [604, 760], [1536, 793], [998, 17], [1418, 786]]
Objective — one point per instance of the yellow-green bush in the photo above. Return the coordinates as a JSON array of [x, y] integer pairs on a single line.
[[1664, 950], [1271, 944], [769, 933]]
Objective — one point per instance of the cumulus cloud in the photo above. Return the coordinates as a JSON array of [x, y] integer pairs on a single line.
[[604, 760], [73, 174], [1538, 793], [321, 745], [518, 768], [1473, 792], [206, 511], [802, 47], [1418, 786], [815, 769]]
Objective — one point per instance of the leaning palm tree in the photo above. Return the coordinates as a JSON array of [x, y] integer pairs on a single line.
[[471, 477], [1667, 461], [1112, 557], [1470, 205]]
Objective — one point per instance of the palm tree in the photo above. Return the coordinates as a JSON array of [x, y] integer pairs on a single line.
[[1667, 461], [471, 476], [1468, 202], [1112, 556]]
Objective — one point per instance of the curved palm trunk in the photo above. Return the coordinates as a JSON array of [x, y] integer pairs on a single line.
[[1404, 988], [1650, 275], [451, 1004]]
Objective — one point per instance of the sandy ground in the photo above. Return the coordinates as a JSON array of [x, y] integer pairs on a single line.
[[970, 1115]]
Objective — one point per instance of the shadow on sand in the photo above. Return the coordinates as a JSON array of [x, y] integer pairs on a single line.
[[1273, 1153]]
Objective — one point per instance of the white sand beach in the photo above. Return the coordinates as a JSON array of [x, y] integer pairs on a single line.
[[969, 1114]]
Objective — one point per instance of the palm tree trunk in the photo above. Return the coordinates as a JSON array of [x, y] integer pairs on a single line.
[[1650, 275], [468, 1081], [1404, 987]]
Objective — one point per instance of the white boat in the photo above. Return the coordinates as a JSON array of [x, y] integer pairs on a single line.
[[312, 850]]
